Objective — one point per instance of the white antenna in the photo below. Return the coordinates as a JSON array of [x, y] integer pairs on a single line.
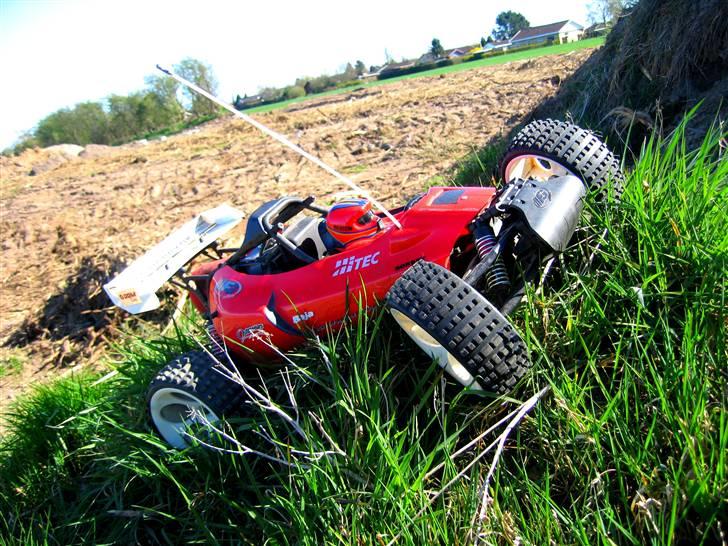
[[283, 140]]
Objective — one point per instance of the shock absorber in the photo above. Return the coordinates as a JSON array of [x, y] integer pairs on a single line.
[[217, 345], [496, 277]]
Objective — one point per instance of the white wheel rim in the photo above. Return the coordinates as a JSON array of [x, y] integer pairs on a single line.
[[174, 411], [535, 167], [436, 351]]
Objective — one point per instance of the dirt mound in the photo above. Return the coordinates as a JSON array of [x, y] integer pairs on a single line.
[[661, 59], [76, 314], [70, 228]]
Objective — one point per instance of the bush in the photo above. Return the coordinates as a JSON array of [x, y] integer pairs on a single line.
[[119, 118], [293, 92], [395, 72]]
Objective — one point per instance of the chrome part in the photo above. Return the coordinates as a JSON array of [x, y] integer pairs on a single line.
[[550, 209], [536, 167]]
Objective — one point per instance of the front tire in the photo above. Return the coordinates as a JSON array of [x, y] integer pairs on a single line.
[[189, 391], [454, 324], [546, 148]]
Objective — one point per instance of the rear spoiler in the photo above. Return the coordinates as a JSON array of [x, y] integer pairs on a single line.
[[134, 288]]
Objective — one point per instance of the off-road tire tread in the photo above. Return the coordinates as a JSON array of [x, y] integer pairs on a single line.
[[580, 150], [464, 322], [194, 372]]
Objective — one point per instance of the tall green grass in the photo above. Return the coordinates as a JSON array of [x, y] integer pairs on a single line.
[[629, 447]]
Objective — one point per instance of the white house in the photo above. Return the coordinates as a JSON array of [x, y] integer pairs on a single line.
[[497, 45], [462, 51], [560, 33]]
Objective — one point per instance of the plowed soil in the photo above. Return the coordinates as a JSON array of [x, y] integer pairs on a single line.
[[76, 221]]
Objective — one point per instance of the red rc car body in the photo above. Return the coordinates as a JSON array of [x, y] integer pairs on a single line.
[[260, 315], [450, 266]]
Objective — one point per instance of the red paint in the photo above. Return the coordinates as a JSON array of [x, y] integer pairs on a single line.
[[314, 297]]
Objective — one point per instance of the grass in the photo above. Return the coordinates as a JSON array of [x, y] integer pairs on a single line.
[[11, 363], [490, 61], [629, 447]]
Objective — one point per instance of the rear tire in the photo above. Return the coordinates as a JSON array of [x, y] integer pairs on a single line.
[[189, 391], [549, 147], [456, 325]]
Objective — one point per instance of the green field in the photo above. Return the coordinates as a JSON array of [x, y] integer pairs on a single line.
[[490, 61], [629, 446]]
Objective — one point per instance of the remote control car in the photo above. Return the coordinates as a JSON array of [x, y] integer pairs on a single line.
[[450, 265]]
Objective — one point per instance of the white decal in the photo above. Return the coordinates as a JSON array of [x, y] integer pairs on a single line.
[[302, 317], [251, 331], [129, 297], [352, 263]]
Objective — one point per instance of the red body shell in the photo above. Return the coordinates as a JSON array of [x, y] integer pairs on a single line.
[[260, 315]]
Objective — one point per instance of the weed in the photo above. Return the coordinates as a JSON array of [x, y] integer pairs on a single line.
[[354, 169], [11, 364]]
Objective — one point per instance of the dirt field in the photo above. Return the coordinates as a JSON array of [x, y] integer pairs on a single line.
[[76, 221]]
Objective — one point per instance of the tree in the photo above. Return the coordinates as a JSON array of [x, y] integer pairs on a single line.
[[360, 68], [508, 23], [293, 92], [85, 123], [163, 91], [436, 48], [201, 75], [349, 73], [607, 11], [483, 41]]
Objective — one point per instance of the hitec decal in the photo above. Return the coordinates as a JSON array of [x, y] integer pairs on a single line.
[[352, 263]]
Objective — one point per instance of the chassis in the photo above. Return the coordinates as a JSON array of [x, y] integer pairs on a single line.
[[450, 274]]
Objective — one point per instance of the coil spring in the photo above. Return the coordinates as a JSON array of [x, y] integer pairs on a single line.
[[496, 277], [217, 345]]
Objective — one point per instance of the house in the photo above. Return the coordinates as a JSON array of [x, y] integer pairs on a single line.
[[428, 58], [241, 103], [561, 32], [395, 68], [497, 45], [597, 29], [461, 51]]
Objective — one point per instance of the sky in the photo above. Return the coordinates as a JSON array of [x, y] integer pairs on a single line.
[[57, 53]]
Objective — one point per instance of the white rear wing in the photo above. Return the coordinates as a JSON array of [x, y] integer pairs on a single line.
[[134, 288]]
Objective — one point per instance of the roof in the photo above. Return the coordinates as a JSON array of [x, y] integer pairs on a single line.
[[543, 30], [462, 50], [497, 43], [596, 27], [402, 64]]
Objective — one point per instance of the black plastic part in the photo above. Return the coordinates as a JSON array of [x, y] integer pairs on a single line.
[[459, 318], [263, 219], [449, 197], [277, 320], [577, 149], [262, 225], [194, 373]]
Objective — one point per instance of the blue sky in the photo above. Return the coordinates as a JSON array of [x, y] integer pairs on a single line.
[[56, 53]]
